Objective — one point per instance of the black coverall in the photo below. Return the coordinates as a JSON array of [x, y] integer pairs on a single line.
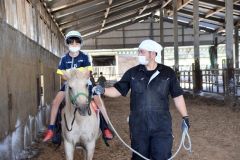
[[150, 121]]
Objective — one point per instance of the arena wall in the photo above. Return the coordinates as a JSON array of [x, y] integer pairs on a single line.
[[22, 63]]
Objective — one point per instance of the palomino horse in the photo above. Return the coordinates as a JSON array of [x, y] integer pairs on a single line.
[[80, 124]]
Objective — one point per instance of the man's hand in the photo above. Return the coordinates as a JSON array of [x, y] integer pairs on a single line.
[[185, 123], [98, 90]]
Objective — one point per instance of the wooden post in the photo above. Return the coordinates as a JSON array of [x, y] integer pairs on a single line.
[[229, 45], [236, 47], [151, 27], [175, 36], [197, 84], [162, 35], [2, 10]]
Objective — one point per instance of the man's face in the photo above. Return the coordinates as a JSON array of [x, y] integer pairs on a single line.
[[148, 54]]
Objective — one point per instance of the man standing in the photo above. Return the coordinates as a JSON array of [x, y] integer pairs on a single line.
[[150, 120], [101, 80]]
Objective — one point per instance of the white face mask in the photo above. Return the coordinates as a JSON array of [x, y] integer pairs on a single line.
[[74, 49], [142, 60]]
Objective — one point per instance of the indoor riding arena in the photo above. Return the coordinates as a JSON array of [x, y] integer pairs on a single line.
[[200, 43]]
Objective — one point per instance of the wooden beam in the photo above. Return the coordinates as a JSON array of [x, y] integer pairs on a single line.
[[95, 10], [2, 10], [75, 15], [77, 7], [166, 3], [180, 5], [118, 22], [220, 4], [115, 27], [59, 5], [83, 23], [110, 2], [187, 25], [214, 11], [213, 19]]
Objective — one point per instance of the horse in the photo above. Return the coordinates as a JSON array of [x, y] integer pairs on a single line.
[[80, 123]]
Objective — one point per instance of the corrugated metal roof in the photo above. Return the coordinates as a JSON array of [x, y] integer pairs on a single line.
[[95, 17]]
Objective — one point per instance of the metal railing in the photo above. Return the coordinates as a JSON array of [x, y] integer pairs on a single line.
[[237, 82], [212, 81], [186, 80]]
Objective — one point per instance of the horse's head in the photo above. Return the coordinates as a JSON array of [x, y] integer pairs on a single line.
[[77, 89]]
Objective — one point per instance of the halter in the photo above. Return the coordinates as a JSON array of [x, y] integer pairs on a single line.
[[73, 100]]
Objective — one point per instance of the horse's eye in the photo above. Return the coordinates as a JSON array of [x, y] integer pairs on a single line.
[[70, 88]]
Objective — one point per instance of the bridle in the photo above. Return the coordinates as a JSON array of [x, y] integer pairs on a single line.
[[73, 100]]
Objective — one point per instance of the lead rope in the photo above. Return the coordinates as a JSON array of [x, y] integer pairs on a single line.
[[72, 120], [182, 142]]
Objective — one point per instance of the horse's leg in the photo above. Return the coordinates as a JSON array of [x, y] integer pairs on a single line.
[[90, 147], [69, 150]]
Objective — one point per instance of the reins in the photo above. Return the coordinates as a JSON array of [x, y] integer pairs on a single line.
[[72, 120]]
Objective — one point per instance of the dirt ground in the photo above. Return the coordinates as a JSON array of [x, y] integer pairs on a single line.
[[215, 133]]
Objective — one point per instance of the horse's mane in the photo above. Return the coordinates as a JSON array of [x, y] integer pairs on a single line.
[[74, 72]]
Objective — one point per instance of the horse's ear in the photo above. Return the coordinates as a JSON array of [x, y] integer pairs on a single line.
[[86, 72], [66, 74]]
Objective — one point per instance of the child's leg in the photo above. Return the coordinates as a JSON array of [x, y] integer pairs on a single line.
[[103, 123], [107, 134], [54, 110], [101, 107], [55, 106]]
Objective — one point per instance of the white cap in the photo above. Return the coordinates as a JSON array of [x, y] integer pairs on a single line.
[[153, 46], [74, 34]]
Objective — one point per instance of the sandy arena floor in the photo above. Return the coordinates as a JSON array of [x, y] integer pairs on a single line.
[[215, 133]]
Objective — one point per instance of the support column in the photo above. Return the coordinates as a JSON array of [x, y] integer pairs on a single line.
[[36, 21], [151, 27], [96, 43], [215, 43], [236, 47], [197, 77], [183, 35], [175, 35], [2, 10], [162, 35], [124, 37], [229, 47]]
